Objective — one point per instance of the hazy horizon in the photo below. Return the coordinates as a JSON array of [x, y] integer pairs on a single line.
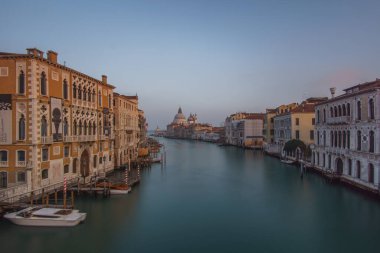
[[213, 58]]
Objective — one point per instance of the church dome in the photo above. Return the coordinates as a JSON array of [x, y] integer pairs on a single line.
[[179, 118]]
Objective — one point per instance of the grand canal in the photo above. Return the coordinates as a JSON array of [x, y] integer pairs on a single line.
[[215, 199]]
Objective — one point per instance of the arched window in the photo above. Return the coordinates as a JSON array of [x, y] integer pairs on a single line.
[[43, 84], [89, 95], [348, 139], [75, 129], [100, 127], [371, 141], [359, 140], [324, 115], [348, 110], [79, 91], [331, 138], [339, 139], [349, 167], [80, 127], [3, 179], [318, 116], [65, 90], [85, 128], [344, 110], [109, 101], [331, 112], [65, 127], [339, 111], [75, 165], [93, 128], [74, 90], [21, 82], [371, 108], [84, 94], [43, 126], [335, 111], [359, 110], [371, 173], [95, 160], [344, 139], [324, 138], [358, 169], [335, 139], [100, 98], [21, 128], [93, 95], [45, 174]]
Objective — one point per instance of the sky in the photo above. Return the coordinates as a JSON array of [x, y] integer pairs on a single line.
[[213, 58]]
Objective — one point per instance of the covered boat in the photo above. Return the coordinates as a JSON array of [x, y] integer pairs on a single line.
[[46, 217]]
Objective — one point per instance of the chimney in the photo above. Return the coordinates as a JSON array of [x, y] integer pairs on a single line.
[[52, 56], [332, 90], [104, 79], [35, 52]]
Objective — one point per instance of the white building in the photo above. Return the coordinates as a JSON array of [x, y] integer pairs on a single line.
[[245, 129], [347, 135]]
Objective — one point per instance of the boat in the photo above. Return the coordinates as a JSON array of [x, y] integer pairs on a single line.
[[115, 188], [46, 217], [287, 161]]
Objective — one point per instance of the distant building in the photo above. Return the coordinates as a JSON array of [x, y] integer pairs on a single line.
[[295, 123], [245, 130], [126, 128], [348, 135]]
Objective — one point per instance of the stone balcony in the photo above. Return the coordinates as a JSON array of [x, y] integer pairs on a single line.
[[46, 139], [3, 163], [20, 163], [342, 120]]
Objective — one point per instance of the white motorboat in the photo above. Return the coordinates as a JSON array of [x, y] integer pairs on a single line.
[[287, 161], [46, 217]]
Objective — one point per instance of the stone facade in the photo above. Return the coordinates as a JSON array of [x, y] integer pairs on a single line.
[[347, 135], [56, 123]]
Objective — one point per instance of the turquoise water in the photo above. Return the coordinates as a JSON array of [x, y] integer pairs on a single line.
[[215, 199]]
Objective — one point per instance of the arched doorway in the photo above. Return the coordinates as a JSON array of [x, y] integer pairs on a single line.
[[84, 164], [339, 166]]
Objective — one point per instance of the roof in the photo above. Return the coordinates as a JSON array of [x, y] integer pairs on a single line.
[[356, 90], [7, 55]]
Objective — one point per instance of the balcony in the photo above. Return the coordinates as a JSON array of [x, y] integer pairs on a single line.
[[85, 138], [46, 139], [3, 163], [20, 163], [343, 120], [70, 138]]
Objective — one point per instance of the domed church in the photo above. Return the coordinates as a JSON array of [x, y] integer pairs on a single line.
[[179, 118]]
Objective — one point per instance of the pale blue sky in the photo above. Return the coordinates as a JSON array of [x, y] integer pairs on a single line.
[[212, 58]]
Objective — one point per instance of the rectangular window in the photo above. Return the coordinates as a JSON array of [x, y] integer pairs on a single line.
[[21, 177], [3, 156], [21, 155], [297, 134], [3, 71], [312, 135], [67, 151], [297, 121], [45, 154], [100, 160], [101, 147], [66, 169], [313, 121]]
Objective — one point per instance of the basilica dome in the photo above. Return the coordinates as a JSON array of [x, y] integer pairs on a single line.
[[179, 118]]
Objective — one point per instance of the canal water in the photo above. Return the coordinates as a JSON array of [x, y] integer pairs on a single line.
[[215, 199]]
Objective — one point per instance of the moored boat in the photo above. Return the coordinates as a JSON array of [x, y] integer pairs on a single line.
[[287, 161], [46, 217]]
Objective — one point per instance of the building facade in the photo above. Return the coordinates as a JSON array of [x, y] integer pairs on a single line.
[[55, 123], [348, 134], [296, 123], [126, 129], [245, 130]]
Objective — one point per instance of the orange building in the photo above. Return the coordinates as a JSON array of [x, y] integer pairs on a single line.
[[55, 123]]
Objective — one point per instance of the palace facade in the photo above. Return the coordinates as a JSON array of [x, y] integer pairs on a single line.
[[55, 123], [347, 135]]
